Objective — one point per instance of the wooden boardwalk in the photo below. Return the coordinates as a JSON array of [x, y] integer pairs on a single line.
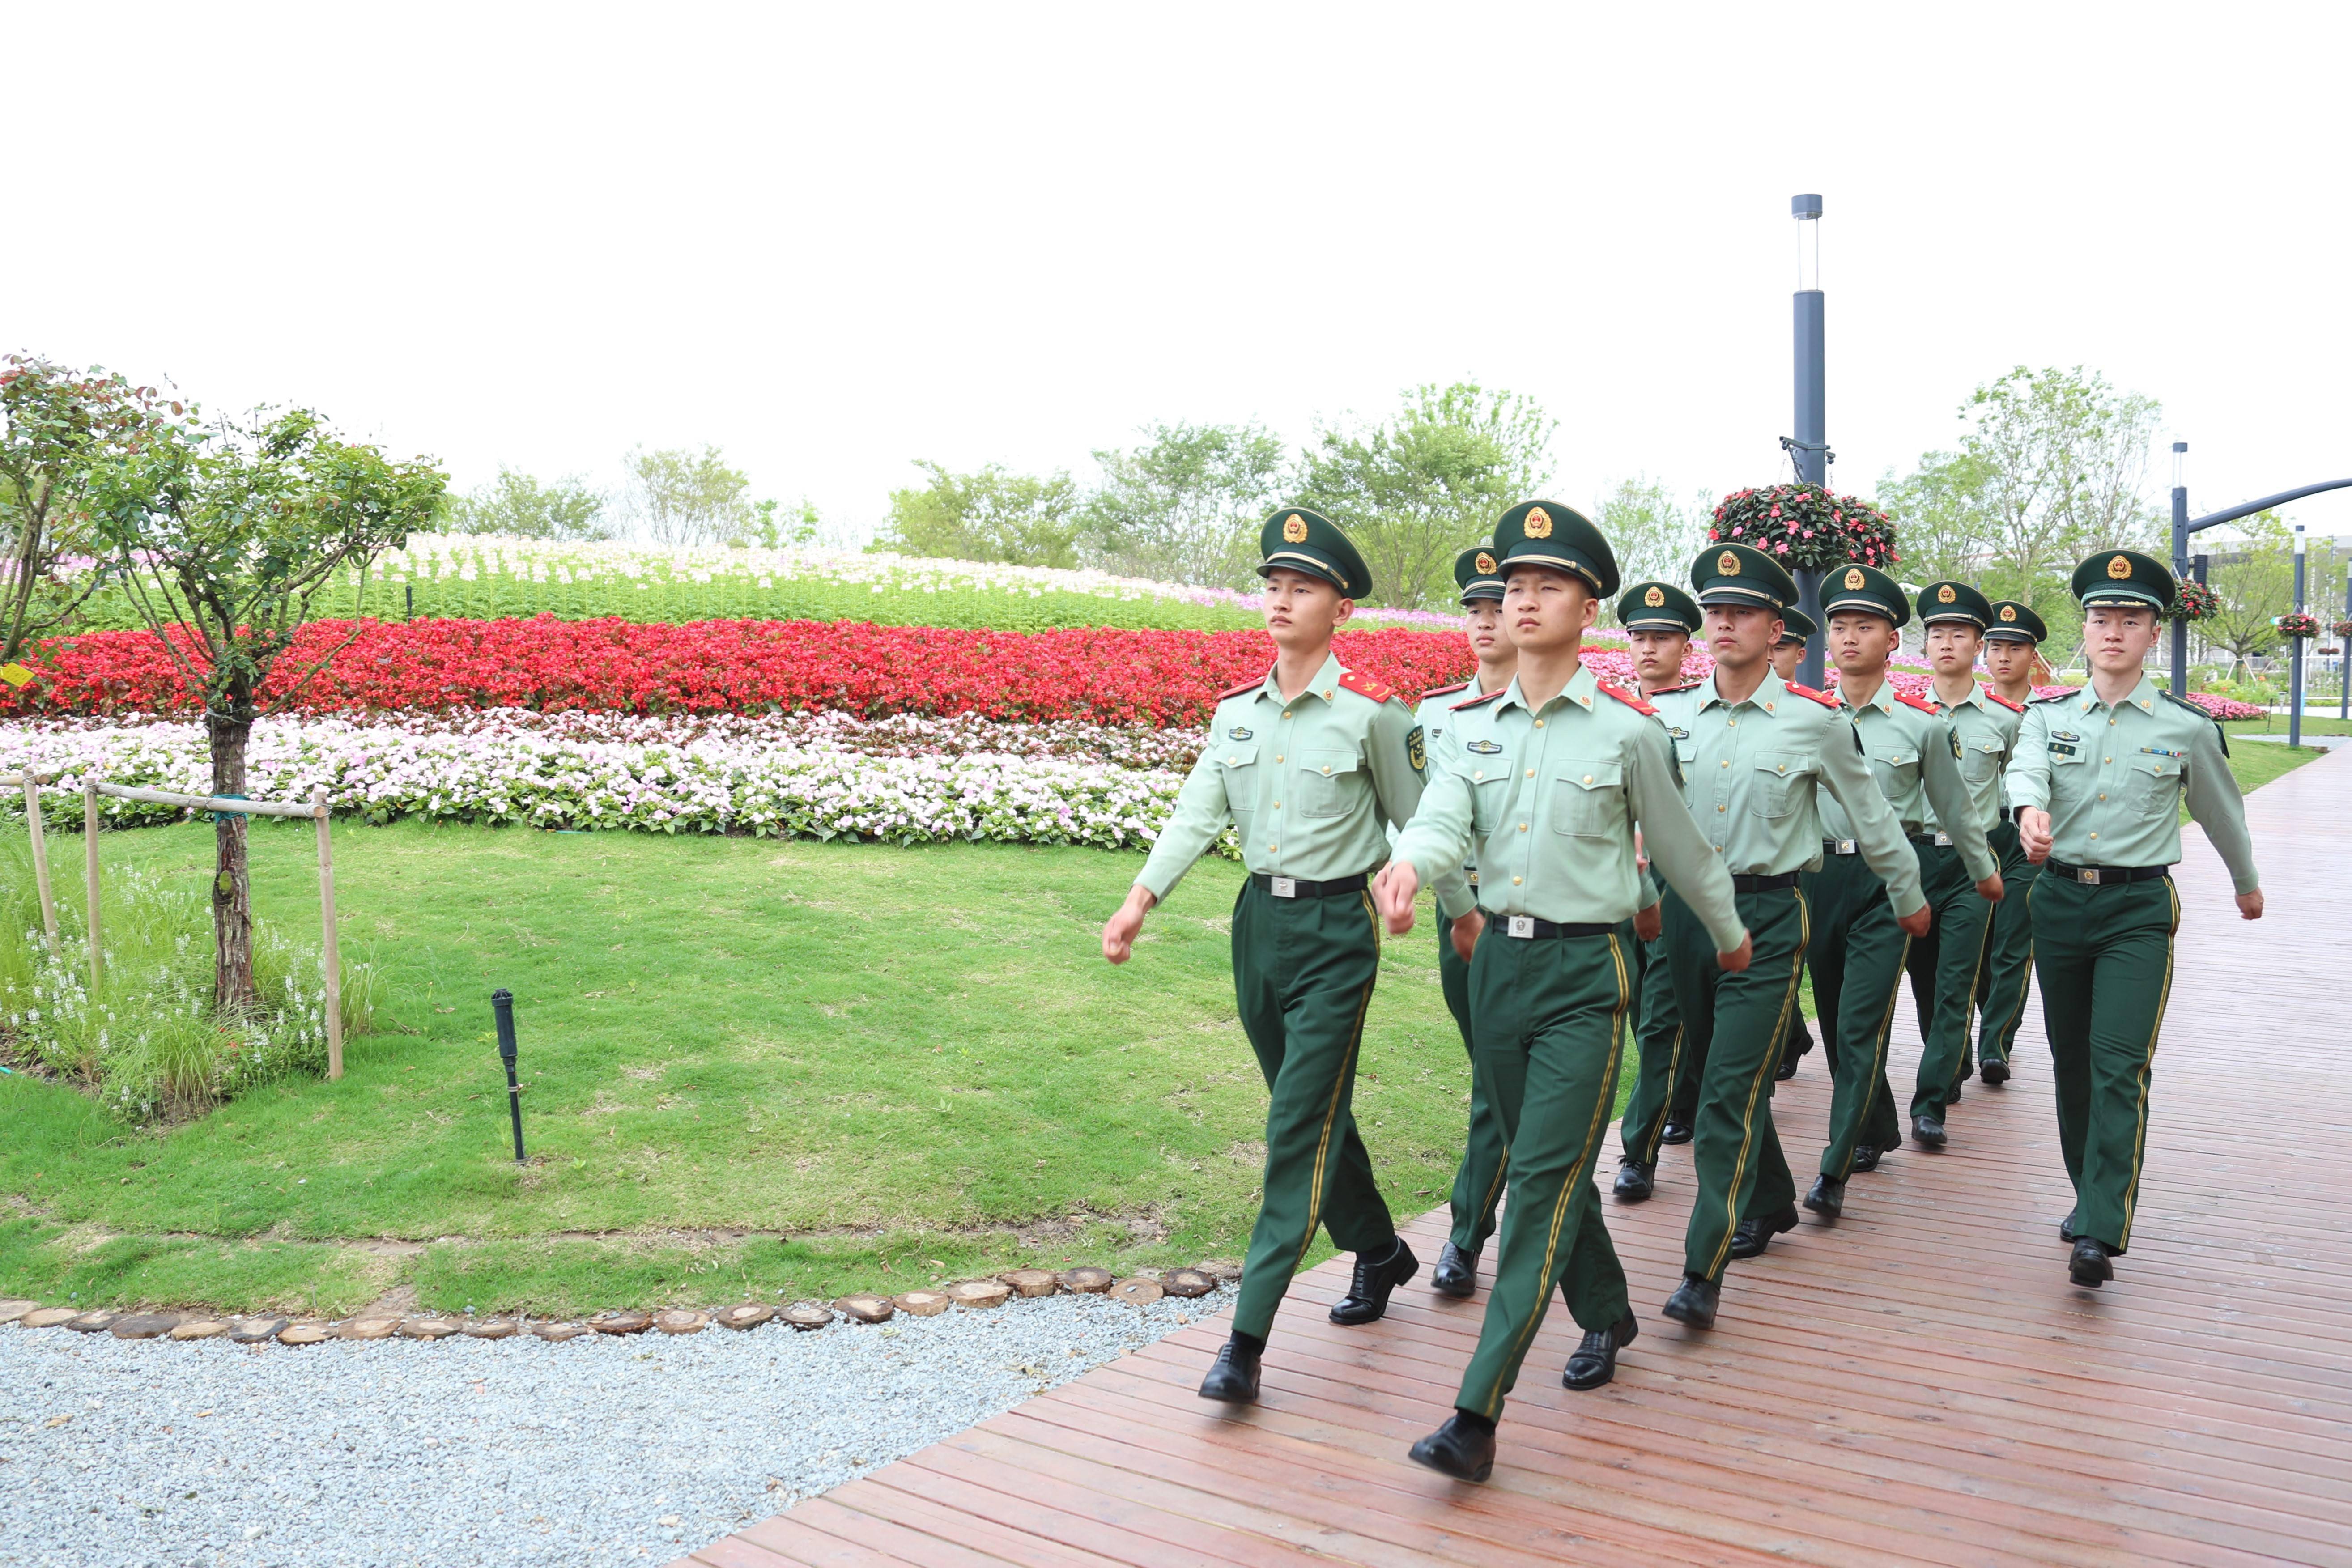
[[1919, 1383]]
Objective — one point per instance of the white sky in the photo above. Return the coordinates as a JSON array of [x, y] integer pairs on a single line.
[[833, 239]]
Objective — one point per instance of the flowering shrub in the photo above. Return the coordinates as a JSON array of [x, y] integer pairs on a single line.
[[2342, 628], [2194, 601], [1806, 525], [2298, 626], [2225, 707]]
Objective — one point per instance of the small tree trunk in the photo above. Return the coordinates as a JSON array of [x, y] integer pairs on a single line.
[[233, 987]]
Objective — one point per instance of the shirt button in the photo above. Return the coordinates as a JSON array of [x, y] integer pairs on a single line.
[[1277, 756], [1588, 778], [1531, 772], [1326, 773], [2102, 797], [1277, 804], [1515, 881], [1732, 723], [1479, 774], [1328, 695], [1285, 715], [2095, 835], [1523, 828], [1539, 723], [2106, 759], [1718, 808], [1272, 847]]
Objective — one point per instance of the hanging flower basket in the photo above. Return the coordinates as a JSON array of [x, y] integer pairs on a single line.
[[2342, 628], [1805, 525], [2298, 626], [2195, 602]]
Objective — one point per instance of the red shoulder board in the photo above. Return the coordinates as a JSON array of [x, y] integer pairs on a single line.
[[1445, 691], [1996, 697], [1474, 701], [1627, 697], [1824, 698], [1243, 689], [1925, 707], [1365, 686]]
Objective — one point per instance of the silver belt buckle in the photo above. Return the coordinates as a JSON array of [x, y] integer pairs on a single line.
[[1521, 925], [2089, 874], [1847, 845], [1944, 838], [1285, 886]]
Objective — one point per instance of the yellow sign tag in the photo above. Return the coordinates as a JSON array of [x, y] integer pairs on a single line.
[[15, 674]]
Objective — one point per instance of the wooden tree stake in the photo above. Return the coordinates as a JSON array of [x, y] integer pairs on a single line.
[[40, 859], [89, 866], [334, 955]]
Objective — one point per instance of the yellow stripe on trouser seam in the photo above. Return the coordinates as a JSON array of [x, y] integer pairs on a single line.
[[1969, 1012], [1581, 1172], [1878, 1057], [1323, 1145], [1666, 1106], [2139, 1140], [1771, 1064]]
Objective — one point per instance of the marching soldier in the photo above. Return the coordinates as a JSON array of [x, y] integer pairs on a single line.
[[2099, 778], [1478, 1183], [1948, 966], [1659, 620], [1759, 751], [1306, 763], [2013, 639], [1859, 946], [1548, 782], [1796, 630]]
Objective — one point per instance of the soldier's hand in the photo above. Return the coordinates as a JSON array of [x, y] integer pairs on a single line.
[[2250, 905], [1466, 934], [1737, 959], [1393, 891], [1648, 923], [2033, 833], [1916, 923], [1118, 932], [1990, 890]]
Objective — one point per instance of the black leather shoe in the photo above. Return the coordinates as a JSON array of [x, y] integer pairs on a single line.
[[1456, 1274], [1751, 1236], [1234, 1377], [1456, 1450], [1954, 1096], [2089, 1264], [1785, 1070], [1968, 1070], [1595, 1361], [1995, 1074], [1636, 1180], [1368, 1293], [1865, 1156], [2066, 1226], [1827, 1198], [1676, 1132], [1695, 1302], [1929, 1133]]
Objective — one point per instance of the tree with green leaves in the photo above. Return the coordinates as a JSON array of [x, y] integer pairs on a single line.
[[60, 426], [225, 535], [678, 497], [1652, 533], [522, 507], [1413, 493], [1186, 506], [992, 515], [2254, 580]]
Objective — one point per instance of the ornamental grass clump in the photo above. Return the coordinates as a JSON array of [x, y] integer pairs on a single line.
[[148, 1044]]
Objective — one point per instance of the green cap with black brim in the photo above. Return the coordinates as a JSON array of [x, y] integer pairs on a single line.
[[1545, 534], [2124, 577], [1742, 574], [1478, 574], [1303, 540], [2013, 622], [1855, 587], [1656, 606]]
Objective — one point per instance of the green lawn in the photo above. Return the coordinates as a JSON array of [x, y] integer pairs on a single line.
[[883, 1065]]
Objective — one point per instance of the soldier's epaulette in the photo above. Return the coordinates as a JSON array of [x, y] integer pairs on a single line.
[[1824, 698], [1445, 691], [1475, 701], [1243, 689], [1908, 700], [2202, 713], [1627, 697], [1997, 696], [1367, 685]]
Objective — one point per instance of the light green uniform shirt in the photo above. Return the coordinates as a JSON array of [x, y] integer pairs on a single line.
[[2112, 780], [1306, 784], [1434, 715], [1987, 730], [1549, 799], [1755, 774], [1915, 757]]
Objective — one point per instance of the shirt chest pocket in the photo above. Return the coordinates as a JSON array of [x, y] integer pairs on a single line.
[[1776, 786], [1331, 783], [1980, 761], [2154, 783], [1237, 765], [1489, 778], [1587, 799], [1897, 768]]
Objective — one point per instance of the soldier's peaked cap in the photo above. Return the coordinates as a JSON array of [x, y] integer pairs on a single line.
[[1651, 606], [1308, 542], [1796, 626], [1855, 586], [1742, 574], [1478, 573], [2124, 577], [1949, 601], [2015, 622], [1545, 534]]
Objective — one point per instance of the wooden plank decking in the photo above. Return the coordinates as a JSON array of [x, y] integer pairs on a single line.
[[1919, 1383]]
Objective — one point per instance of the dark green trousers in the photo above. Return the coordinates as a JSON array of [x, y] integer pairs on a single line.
[[1735, 1022], [1548, 1016], [1798, 1040], [1665, 1071], [1946, 973], [2105, 959], [1856, 959], [1303, 974], [1478, 1181], [2008, 954]]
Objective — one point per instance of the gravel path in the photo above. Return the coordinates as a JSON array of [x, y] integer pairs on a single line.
[[126, 1454]]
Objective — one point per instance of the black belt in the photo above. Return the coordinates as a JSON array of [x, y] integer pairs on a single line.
[[1526, 926], [2100, 876], [1743, 884], [1294, 888], [1933, 840]]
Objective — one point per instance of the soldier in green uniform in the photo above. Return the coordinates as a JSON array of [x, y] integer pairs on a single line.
[[1797, 629], [1946, 965], [1548, 782], [1758, 754], [2099, 779], [1659, 620], [2013, 638], [1306, 764], [1859, 947], [1478, 1183]]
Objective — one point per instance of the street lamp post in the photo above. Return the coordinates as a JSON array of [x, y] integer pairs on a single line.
[[2294, 670], [2344, 657], [1810, 445], [2180, 568], [2183, 526]]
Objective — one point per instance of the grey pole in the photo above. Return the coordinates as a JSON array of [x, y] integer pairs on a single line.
[[2344, 659], [1810, 446], [2179, 569], [2294, 670]]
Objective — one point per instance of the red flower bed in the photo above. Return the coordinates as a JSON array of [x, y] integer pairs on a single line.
[[1109, 677]]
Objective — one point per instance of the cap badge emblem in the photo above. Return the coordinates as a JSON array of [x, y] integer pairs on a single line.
[[1486, 564], [1947, 594], [1727, 564], [2008, 611], [1655, 597], [1854, 577], [2119, 569], [1295, 530], [1539, 523]]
